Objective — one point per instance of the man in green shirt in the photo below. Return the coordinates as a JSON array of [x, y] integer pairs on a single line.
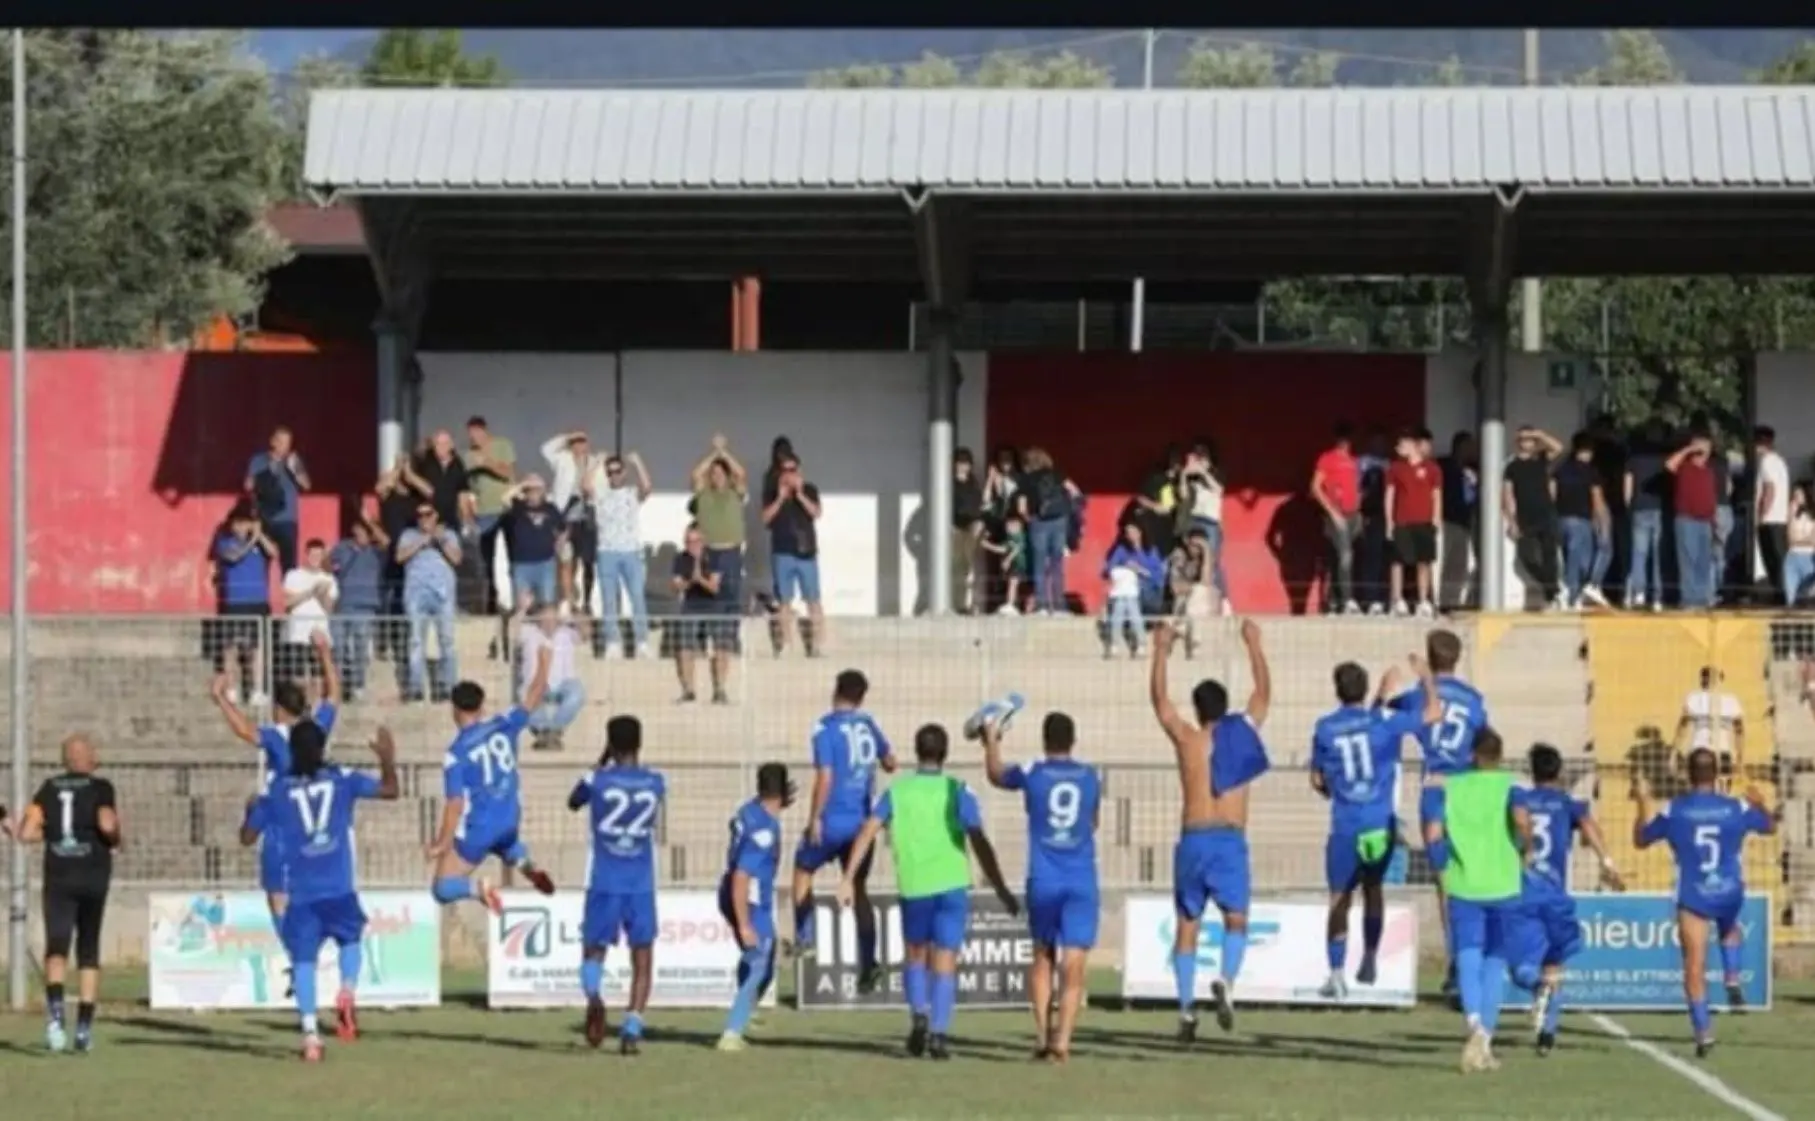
[[930, 816], [1477, 841], [720, 488]]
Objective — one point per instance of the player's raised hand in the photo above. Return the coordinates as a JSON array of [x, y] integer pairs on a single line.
[[384, 745], [1164, 635], [219, 688], [1250, 633], [1756, 799]]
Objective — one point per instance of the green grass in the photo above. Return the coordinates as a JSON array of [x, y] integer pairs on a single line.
[[463, 1063]]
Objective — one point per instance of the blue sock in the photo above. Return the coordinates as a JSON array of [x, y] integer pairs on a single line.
[[1729, 963], [750, 972], [1184, 974], [806, 923], [1235, 948], [633, 1026], [1337, 952], [914, 981], [1700, 1018], [302, 979], [1468, 979], [1438, 854], [592, 977], [1493, 991], [945, 1002], [452, 889], [866, 946], [1553, 1012], [1372, 927], [352, 964], [768, 978], [1527, 977], [517, 855]]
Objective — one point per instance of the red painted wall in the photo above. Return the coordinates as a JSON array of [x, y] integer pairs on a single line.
[[1108, 418], [134, 458]]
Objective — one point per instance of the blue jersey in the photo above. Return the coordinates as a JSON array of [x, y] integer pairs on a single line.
[[1062, 797], [274, 744], [481, 767], [1555, 816], [312, 817], [850, 745], [755, 850], [623, 806], [1237, 755], [1356, 750], [1706, 832], [1448, 745]]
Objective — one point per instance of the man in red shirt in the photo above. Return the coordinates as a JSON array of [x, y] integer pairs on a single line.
[[1414, 500], [1336, 487], [1696, 504]]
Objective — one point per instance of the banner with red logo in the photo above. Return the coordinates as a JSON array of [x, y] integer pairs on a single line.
[[533, 954]]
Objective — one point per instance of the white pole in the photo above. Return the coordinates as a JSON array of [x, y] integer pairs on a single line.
[[18, 958], [1137, 318], [1531, 294]]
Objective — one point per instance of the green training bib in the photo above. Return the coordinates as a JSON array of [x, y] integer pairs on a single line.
[[931, 857], [1484, 865]]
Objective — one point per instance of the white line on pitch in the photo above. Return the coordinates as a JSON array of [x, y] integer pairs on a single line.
[[1713, 1086]]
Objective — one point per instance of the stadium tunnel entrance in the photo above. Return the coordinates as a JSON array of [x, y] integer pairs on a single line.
[[955, 193]]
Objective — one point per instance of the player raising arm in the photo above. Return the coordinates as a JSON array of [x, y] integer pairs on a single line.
[[1706, 831], [311, 810], [1218, 758], [624, 798], [930, 816], [1541, 932], [1063, 799], [746, 894], [848, 747], [484, 797], [1355, 764]]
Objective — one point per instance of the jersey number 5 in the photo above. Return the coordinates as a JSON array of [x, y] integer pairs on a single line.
[[1707, 841]]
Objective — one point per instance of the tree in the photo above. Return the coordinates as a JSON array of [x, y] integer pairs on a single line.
[[315, 72], [153, 159], [1002, 70], [1247, 66], [418, 57]]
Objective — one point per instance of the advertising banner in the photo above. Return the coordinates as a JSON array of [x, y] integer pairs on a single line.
[[992, 969], [1287, 961], [533, 954], [219, 950]]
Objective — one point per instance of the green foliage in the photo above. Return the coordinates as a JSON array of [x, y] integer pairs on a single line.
[[316, 72], [420, 57], [1002, 70], [152, 161]]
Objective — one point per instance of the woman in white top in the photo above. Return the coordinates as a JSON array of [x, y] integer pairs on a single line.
[[1712, 718], [1200, 490], [1799, 557]]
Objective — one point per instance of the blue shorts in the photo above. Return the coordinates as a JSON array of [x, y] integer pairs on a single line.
[[611, 914], [1540, 932], [1063, 915], [1480, 926], [836, 836], [1430, 807], [480, 841], [305, 926], [796, 575], [937, 920], [1343, 868], [538, 578], [1210, 865], [1723, 913], [762, 919], [271, 876]]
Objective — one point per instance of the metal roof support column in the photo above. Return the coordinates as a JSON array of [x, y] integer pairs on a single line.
[[403, 284], [940, 230], [1490, 290]]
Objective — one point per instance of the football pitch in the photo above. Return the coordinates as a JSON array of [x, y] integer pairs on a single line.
[[464, 1062]]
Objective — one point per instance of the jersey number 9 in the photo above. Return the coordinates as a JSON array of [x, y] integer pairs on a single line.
[[1063, 805]]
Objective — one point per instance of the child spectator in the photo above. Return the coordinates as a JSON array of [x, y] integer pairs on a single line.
[[1194, 595], [1013, 560], [1135, 573]]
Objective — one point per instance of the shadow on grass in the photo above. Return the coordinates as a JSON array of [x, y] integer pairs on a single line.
[[1242, 1045], [188, 1029], [217, 1045]]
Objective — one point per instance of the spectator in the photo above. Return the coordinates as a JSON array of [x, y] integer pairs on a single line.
[[1461, 503], [1194, 596], [1583, 522], [1647, 488], [1136, 574], [570, 459], [1414, 491], [242, 560], [967, 531], [534, 528], [617, 507], [564, 696], [1371, 557], [1799, 549], [1697, 501], [438, 475], [491, 466], [1713, 719], [430, 555], [358, 564], [1200, 496], [1336, 488], [699, 587], [1014, 560], [1044, 499], [396, 512], [1771, 504], [1156, 503], [275, 480], [790, 509], [720, 489], [1531, 510], [310, 592], [999, 489], [1725, 465], [1612, 451]]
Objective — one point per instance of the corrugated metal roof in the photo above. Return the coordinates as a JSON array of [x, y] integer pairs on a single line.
[[819, 141]]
